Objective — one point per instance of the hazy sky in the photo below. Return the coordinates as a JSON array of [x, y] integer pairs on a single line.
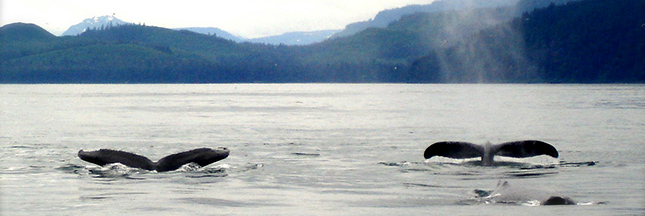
[[248, 18]]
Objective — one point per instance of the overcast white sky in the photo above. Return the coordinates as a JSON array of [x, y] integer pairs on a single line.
[[248, 18]]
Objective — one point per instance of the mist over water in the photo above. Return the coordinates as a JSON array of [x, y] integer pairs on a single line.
[[320, 149], [480, 43], [475, 50]]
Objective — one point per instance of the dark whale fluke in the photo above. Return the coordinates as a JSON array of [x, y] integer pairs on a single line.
[[516, 149], [200, 156]]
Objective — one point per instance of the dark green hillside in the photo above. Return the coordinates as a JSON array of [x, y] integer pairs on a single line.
[[594, 41], [113, 63], [133, 53], [384, 18], [20, 39], [165, 39], [411, 36], [20, 32], [382, 54], [590, 41]]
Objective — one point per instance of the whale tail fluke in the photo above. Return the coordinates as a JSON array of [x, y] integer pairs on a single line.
[[516, 149], [108, 156], [454, 149], [526, 148], [200, 156]]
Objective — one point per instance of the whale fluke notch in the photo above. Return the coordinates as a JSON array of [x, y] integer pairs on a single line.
[[200, 156], [517, 149]]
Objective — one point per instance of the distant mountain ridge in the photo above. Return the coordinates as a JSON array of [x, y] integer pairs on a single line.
[[214, 31], [381, 20], [296, 38], [289, 38], [384, 18]]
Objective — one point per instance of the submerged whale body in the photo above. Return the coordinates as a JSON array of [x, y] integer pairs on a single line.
[[505, 193], [516, 149], [200, 156]]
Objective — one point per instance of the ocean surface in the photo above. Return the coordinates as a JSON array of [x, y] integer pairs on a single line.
[[320, 149]]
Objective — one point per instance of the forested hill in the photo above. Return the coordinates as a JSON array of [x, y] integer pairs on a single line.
[[591, 41], [21, 32]]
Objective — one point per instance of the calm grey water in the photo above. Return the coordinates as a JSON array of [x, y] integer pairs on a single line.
[[318, 149]]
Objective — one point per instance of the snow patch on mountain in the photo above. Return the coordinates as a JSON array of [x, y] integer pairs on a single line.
[[96, 22]]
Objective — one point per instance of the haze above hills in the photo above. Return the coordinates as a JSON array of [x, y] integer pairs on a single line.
[[381, 20]]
